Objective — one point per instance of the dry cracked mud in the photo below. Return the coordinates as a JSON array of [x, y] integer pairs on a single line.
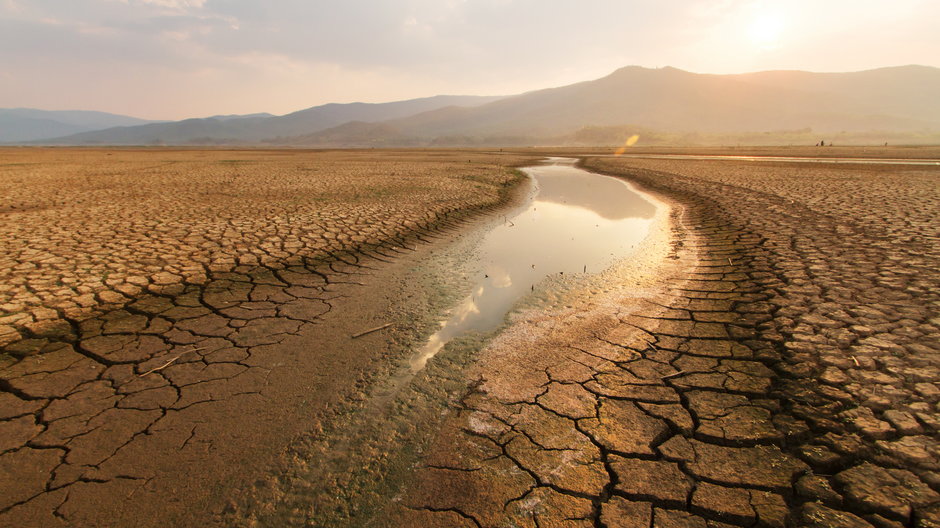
[[782, 370], [161, 313], [771, 360]]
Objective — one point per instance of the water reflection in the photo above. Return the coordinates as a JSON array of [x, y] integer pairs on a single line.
[[578, 222], [604, 196]]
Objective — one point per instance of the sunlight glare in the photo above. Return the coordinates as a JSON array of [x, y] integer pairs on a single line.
[[765, 30]]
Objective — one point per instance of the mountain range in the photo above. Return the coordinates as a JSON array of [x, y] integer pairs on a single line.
[[28, 124], [664, 103]]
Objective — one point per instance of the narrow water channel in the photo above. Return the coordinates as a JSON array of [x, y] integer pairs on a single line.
[[572, 222], [577, 222]]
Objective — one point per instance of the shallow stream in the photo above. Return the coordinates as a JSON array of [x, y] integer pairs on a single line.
[[575, 222]]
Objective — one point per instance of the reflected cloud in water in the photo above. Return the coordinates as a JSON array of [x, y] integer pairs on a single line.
[[577, 222]]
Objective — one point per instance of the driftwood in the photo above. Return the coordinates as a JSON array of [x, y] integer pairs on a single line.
[[369, 331]]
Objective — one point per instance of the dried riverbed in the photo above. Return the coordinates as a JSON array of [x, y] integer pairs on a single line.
[[571, 221], [172, 319], [783, 371], [769, 358]]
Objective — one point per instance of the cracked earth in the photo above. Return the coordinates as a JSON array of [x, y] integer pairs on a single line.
[[782, 371], [161, 313], [771, 360]]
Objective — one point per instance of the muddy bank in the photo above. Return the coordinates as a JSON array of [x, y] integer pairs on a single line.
[[350, 474], [511, 450], [575, 221], [850, 323], [782, 372], [173, 406], [336, 471]]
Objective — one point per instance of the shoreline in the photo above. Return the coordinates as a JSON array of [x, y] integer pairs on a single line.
[[704, 406], [403, 436], [464, 475], [213, 404], [416, 290], [844, 413]]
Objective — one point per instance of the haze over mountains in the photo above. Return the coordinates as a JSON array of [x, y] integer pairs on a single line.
[[27, 124], [664, 105]]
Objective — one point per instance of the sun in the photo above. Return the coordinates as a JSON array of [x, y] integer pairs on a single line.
[[765, 30]]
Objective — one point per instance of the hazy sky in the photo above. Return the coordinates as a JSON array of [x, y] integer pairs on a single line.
[[169, 59]]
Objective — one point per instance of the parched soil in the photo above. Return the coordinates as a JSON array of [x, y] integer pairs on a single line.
[[779, 368], [174, 319], [88, 229], [921, 152], [169, 319]]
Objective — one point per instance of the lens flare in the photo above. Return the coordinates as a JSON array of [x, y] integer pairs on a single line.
[[628, 143]]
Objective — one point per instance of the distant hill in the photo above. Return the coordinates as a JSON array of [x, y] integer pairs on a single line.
[[903, 91], [239, 116], [891, 100], [28, 124], [258, 128], [669, 106]]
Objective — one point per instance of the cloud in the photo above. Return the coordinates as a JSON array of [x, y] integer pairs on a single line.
[[457, 46], [182, 5]]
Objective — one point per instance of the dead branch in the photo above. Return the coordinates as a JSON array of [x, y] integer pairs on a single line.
[[369, 331]]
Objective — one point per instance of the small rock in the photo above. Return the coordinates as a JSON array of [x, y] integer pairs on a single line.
[[662, 482], [113, 297]]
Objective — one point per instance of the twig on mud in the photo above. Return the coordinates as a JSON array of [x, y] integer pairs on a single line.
[[855, 359], [673, 375], [170, 362], [369, 331], [729, 262]]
